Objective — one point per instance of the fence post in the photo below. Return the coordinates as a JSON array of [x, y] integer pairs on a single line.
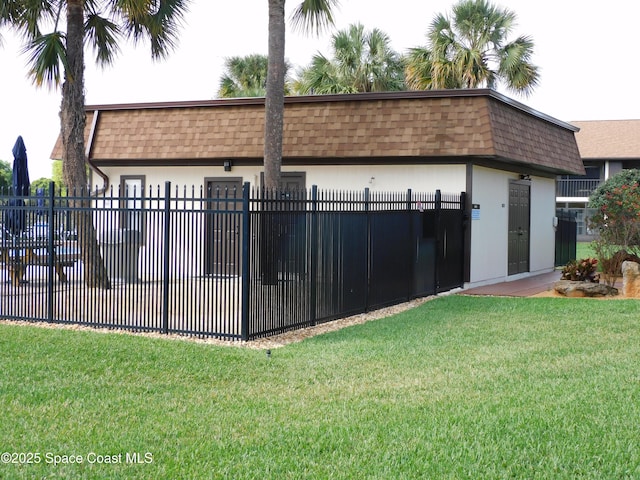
[[411, 250], [246, 284], [166, 257], [367, 209], [51, 249], [314, 254], [438, 228], [463, 234]]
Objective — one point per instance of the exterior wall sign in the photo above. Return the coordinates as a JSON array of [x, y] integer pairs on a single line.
[[475, 211]]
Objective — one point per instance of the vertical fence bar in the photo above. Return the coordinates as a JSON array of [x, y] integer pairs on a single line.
[[411, 247], [313, 284], [52, 254], [438, 238], [166, 257], [246, 284], [367, 209]]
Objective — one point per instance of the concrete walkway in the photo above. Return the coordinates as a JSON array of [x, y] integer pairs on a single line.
[[524, 287]]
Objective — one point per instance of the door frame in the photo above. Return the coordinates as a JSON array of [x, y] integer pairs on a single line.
[[519, 231], [209, 252], [289, 175]]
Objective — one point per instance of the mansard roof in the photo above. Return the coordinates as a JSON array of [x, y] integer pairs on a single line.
[[478, 125]]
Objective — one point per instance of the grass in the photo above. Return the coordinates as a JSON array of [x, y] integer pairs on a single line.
[[460, 387], [584, 250]]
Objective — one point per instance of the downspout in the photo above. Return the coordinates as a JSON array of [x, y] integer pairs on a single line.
[[92, 134]]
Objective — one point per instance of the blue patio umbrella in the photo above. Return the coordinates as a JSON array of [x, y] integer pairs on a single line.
[[15, 218]]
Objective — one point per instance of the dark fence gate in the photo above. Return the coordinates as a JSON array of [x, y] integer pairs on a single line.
[[566, 237], [298, 258]]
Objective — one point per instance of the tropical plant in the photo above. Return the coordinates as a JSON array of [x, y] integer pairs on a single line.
[[246, 77], [470, 49], [616, 220], [58, 57], [310, 15], [5, 177], [57, 177], [41, 183], [362, 61], [584, 270]]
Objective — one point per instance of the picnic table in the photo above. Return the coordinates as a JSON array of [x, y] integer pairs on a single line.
[[19, 253]]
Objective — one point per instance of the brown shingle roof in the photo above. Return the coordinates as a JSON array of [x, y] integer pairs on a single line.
[[601, 139], [533, 141], [402, 126]]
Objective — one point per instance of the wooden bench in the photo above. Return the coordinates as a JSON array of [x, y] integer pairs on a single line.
[[19, 255]]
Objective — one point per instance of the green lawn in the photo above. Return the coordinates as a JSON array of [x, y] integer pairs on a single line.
[[584, 250], [461, 387]]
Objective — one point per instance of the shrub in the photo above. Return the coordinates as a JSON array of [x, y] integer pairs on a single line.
[[581, 270], [613, 265], [617, 209], [616, 221]]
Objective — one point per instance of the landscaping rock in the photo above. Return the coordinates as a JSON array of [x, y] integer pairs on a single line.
[[630, 279], [570, 288]]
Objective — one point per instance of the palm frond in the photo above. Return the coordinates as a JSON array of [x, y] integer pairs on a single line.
[[47, 57], [102, 35], [156, 20], [230, 89], [319, 78], [314, 15], [27, 16], [246, 76], [227, 87], [361, 61], [418, 68], [515, 65], [10, 12], [470, 49]]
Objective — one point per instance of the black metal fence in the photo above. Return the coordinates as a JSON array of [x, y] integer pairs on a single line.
[[566, 237], [227, 263]]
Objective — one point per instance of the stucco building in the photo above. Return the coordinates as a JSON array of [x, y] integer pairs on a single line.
[[504, 155]]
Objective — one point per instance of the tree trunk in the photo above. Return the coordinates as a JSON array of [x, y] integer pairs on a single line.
[[72, 124], [274, 101]]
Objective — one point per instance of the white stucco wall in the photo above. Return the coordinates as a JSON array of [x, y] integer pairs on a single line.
[[489, 232], [421, 178], [490, 189], [387, 178]]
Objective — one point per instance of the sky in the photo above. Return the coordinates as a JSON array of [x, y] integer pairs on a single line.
[[586, 52]]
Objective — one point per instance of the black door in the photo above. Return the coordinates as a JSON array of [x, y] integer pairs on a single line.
[[519, 200], [223, 227], [283, 230], [293, 226]]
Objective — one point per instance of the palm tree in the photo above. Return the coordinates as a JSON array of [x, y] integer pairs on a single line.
[[471, 50], [310, 15], [58, 57], [362, 62], [246, 77]]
